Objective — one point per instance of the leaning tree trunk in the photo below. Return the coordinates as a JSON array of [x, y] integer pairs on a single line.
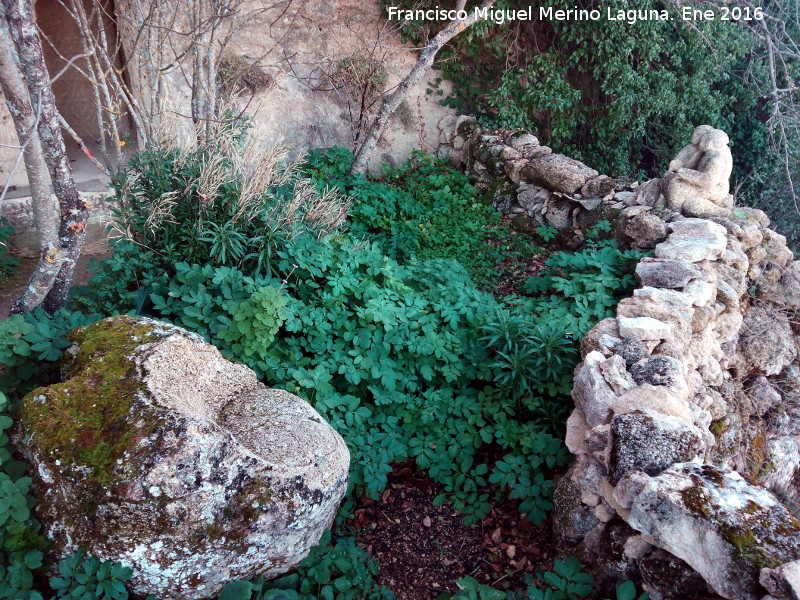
[[74, 210], [391, 103], [19, 105]]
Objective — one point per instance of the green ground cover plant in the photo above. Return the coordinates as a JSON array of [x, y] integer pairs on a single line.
[[373, 322], [566, 581], [424, 209]]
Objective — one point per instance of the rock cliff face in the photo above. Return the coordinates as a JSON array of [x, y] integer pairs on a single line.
[[686, 422], [158, 453]]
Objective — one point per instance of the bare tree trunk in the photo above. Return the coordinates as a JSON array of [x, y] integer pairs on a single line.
[[25, 121], [396, 97], [73, 209]]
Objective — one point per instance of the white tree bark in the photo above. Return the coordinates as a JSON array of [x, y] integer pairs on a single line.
[[74, 210], [396, 97], [25, 122]]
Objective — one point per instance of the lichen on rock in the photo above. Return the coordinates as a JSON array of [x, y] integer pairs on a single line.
[[157, 452], [724, 526]]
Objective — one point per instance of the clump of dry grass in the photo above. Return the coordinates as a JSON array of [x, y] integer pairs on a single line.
[[222, 199]]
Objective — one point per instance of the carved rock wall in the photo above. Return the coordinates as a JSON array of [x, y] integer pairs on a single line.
[[686, 427]]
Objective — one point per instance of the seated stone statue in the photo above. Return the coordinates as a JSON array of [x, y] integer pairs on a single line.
[[689, 157], [703, 191]]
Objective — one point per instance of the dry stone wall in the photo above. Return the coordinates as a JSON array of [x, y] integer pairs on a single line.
[[686, 426]]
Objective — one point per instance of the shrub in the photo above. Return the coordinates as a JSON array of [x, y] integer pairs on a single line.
[[623, 103], [424, 209], [362, 77], [225, 202]]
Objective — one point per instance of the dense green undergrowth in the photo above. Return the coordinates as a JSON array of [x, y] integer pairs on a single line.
[[623, 103], [424, 209], [372, 321]]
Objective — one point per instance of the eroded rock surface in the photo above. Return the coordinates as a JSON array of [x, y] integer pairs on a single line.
[[724, 527], [157, 452]]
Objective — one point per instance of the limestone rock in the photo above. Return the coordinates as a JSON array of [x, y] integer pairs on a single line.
[[159, 453], [651, 442], [693, 240], [660, 370], [631, 350], [754, 215], [751, 235], [602, 338], [648, 194], [787, 292], [590, 391], [763, 395], [666, 273], [559, 213], [766, 341], [520, 139], [670, 578], [723, 527], [657, 398], [575, 519], [532, 198], [782, 582], [644, 328], [598, 187], [645, 231], [558, 173]]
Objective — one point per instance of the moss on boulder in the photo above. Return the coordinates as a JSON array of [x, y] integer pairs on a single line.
[[156, 452]]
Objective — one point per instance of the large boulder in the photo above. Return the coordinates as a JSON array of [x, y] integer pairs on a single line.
[[157, 452]]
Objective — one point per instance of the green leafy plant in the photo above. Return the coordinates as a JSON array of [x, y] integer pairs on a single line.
[[7, 262], [471, 589], [567, 581], [582, 288], [255, 322], [627, 591], [87, 578], [547, 232], [339, 570], [424, 209], [30, 345], [21, 543]]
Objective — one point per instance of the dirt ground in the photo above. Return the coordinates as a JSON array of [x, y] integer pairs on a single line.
[[424, 549], [96, 246]]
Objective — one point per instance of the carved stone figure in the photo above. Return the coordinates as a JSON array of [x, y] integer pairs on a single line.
[[690, 156], [702, 191]]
